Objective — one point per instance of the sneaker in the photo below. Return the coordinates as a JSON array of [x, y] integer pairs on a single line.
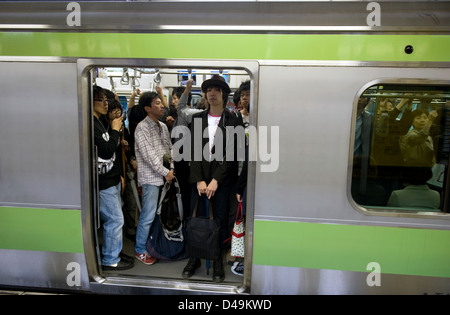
[[146, 259], [238, 268]]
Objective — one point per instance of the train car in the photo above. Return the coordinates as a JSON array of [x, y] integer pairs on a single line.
[[333, 89]]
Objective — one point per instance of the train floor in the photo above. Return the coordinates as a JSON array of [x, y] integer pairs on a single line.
[[171, 270]]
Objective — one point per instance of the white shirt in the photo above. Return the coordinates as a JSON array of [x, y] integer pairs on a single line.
[[213, 122]]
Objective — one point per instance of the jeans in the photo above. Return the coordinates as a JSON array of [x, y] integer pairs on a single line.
[[150, 196], [112, 218]]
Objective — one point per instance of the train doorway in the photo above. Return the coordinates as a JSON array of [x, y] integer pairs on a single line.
[[126, 84]]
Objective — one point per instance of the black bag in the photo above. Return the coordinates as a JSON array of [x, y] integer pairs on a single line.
[[203, 236], [167, 234]]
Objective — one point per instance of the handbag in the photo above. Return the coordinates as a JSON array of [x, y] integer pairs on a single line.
[[237, 235], [203, 235]]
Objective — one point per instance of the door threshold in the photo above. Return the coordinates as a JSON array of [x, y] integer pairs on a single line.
[[119, 284]]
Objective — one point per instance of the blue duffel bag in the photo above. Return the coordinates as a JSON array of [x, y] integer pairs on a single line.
[[167, 233]]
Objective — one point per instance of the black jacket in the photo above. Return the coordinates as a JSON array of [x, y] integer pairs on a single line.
[[105, 150], [223, 169]]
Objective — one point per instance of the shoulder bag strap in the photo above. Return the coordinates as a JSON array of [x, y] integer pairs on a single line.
[[166, 187]]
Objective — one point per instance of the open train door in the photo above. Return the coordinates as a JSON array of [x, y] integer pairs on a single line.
[[164, 276]]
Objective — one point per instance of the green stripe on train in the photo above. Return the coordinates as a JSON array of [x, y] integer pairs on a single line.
[[41, 229], [433, 48], [405, 251]]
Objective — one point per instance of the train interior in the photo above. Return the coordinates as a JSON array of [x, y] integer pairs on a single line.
[[123, 82], [383, 166], [402, 143]]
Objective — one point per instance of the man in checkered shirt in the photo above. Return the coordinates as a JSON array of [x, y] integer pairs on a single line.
[[152, 142]]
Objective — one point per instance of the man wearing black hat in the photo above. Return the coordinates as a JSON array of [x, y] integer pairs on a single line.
[[214, 171]]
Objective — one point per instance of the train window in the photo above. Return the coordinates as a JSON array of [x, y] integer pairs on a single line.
[[401, 148]]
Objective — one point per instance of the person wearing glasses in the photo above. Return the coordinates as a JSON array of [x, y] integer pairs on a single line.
[[107, 139]]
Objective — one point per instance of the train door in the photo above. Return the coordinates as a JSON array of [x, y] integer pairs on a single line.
[[127, 79], [316, 230]]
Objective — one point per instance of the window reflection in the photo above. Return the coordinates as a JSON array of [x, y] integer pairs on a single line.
[[401, 147]]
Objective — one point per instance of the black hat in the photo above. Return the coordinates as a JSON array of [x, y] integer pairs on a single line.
[[216, 80]]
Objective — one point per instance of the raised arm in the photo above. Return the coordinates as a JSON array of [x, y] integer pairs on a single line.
[[182, 109]]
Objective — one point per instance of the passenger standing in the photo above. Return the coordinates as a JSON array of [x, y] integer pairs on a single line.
[[131, 194], [244, 101], [128, 160], [170, 112], [166, 118], [363, 130], [240, 193], [213, 174], [391, 123], [109, 170], [181, 99], [152, 142], [184, 112], [361, 149], [417, 145]]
